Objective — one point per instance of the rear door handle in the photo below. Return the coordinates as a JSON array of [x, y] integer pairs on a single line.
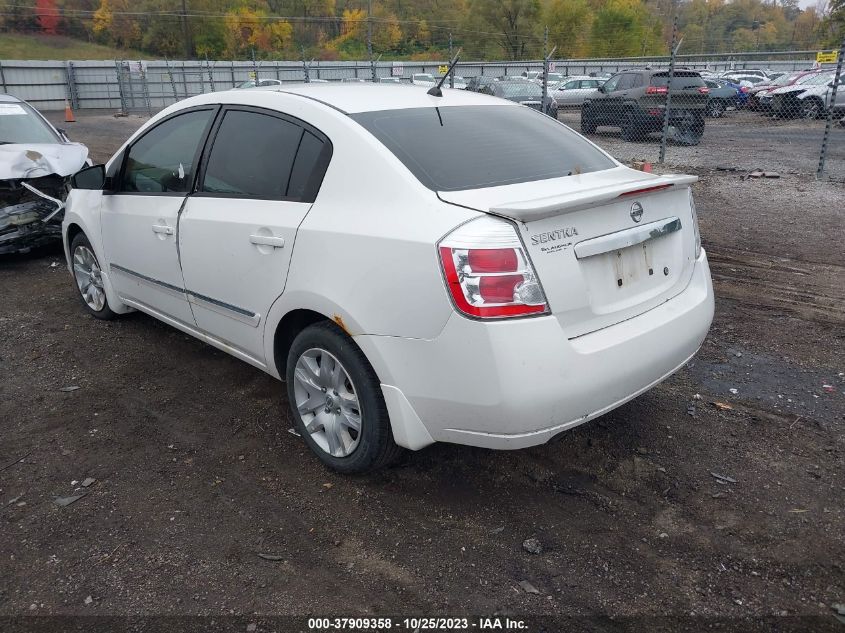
[[267, 240], [163, 228]]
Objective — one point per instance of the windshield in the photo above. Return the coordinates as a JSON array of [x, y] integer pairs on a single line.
[[423, 77], [521, 89], [470, 147], [19, 123]]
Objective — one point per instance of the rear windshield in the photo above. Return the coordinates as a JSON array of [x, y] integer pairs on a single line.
[[470, 147], [681, 80], [521, 89]]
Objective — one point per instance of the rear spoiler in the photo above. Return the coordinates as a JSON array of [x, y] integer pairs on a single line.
[[540, 208]]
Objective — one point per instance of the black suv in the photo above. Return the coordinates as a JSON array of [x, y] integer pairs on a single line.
[[635, 101]]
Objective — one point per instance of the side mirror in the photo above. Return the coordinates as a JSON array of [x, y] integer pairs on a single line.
[[601, 88], [93, 177], [63, 133]]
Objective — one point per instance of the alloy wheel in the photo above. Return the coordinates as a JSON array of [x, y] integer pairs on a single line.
[[327, 402], [89, 278]]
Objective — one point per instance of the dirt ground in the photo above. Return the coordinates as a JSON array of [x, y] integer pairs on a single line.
[[717, 497]]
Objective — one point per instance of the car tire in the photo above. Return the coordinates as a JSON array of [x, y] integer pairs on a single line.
[[811, 109], [715, 108], [332, 388], [588, 126], [87, 276], [631, 131], [691, 131]]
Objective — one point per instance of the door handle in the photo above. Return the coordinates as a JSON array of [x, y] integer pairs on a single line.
[[163, 228], [267, 240]]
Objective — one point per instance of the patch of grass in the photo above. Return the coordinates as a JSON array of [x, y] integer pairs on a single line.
[[32, 46]]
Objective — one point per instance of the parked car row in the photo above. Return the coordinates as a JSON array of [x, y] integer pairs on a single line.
[[806, 94]]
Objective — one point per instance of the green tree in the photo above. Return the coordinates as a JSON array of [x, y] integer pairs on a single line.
[[569, 26], [515, 24]]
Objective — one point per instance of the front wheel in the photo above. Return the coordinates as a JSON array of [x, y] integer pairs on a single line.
[[89, 278], [336, 401], [715, 108], [811, 109]]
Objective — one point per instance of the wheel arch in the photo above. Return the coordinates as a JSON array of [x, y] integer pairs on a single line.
[[287, 329]]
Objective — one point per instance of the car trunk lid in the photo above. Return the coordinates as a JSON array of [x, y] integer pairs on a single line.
[[597, 265]]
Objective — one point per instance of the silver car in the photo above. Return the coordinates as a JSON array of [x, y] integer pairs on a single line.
[[572, 91]]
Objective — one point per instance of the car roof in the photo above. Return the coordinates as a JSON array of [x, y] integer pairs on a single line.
[[351, 97], [7, 98]]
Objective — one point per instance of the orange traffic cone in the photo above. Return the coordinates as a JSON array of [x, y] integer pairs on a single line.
[[69, 118]]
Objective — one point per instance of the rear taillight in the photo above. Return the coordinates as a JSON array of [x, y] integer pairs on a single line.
[[488, 273], [744, 89], [704, 90], [657, 90]]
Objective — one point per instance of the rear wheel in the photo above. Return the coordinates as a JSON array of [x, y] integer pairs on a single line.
[[336, 401], [690, 129], [588, 125], [631, 130], [89, 278]]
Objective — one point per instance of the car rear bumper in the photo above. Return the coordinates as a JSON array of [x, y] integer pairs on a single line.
[[513, 384]]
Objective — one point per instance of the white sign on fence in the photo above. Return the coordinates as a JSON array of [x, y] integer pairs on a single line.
[[398, 69], [551, 67]]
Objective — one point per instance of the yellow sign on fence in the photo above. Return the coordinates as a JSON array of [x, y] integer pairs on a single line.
[[826, 57], [442, 69]]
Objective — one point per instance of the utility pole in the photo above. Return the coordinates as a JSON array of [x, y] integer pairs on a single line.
[[186, 34]]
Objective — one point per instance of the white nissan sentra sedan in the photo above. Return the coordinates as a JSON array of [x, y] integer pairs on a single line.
[[416, 268]]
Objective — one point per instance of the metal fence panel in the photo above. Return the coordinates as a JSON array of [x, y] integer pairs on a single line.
[[738, 138]]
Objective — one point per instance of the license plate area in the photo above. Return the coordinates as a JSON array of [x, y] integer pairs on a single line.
[[624, 277]]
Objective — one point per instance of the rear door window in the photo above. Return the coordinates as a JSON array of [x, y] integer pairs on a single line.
[[264, 156], [252, 156], [469, 147]]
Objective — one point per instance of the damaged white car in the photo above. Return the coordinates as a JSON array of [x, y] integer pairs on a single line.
[[36, 160]]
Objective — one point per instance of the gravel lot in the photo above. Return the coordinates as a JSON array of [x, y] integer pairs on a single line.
[[717, 496]]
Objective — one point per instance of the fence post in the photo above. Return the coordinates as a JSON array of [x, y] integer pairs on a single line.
[[146, 85], [2, 78], [829, 121], [71, 85], [232, 71], [305, 66], [172, 80], [672, 51], [118, 65], [210, 74]]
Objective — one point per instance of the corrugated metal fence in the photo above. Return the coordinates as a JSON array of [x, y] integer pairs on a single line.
[[152, 85]]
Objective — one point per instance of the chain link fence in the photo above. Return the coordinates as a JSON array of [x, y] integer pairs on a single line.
[[762, 112]]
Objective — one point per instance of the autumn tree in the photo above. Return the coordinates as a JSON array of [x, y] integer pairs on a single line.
[[569, 26], [514, 24], [114, 24]]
